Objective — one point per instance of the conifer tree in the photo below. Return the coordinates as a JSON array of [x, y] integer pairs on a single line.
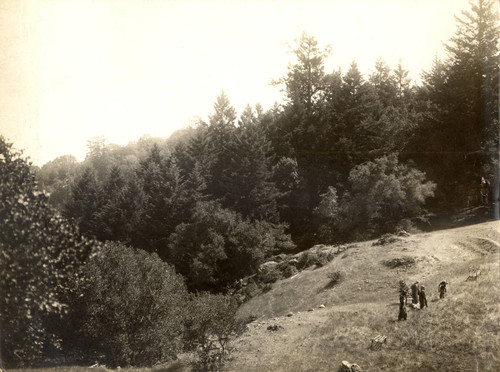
[[384, 83], [403, 85], [247, 179], [122, 207], [458, 141], [166, 203], [85, 202], [304, 80], [220, 134], [473, 83]]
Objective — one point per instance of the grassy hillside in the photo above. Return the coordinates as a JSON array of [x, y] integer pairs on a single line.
[[458, 333]]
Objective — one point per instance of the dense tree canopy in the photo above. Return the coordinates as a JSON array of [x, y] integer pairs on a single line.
[[458, 140], [277, 166]]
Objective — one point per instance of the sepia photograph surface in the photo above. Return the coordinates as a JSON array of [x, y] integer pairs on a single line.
[[261, 185]]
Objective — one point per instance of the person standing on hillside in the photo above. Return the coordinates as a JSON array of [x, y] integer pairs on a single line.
[[422, 298], [442, 289], [414, 293], [402, 302], [485, 190]]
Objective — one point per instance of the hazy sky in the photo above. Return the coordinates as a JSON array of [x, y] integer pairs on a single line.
[[74, 69]]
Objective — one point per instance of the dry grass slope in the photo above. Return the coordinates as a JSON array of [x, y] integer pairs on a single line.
[[457, 333]]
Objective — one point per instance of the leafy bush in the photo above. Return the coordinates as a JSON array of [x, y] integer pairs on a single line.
[[287, 270], [335, 277], [314, 258], [400, 262], [40, 254], [209, 327], [329, 204], [307, 259], [382, 193], [409, 226], [325, 257], [386, 239], [129, 308], [269, 276], [219, 246]]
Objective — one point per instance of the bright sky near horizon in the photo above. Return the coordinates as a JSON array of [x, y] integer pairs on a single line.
[[74, 69]]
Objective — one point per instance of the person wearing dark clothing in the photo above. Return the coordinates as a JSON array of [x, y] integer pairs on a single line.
[[485, 190], [402, 313], [402, 310], [402, 298], [442, 289], [422, 298], [414, 293]]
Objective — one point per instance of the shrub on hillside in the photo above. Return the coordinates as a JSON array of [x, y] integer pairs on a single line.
[[129, 309], [314, 258], [381, 193], [386, 239], [400, 262], [287, 269], [268, 276], [306, 260], [210, 324], [325, 257], [335, 277], [40, 253], [218, 246]]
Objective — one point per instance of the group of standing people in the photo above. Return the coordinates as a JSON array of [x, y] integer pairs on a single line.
[[418, 297]]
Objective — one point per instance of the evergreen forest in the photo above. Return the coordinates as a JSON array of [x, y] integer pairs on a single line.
[[169, 225]]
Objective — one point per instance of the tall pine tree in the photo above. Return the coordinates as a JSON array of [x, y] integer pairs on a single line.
[[458, 142]]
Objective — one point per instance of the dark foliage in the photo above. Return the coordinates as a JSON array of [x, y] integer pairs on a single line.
[[345, 157], [218, 246], [209, 327], [457, 142], [128, 309], [335, 277], [381, 194], [40, 255]]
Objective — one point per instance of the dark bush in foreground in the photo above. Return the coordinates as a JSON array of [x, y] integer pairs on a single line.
[[130, 308], [40, 253], [210, 324]]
